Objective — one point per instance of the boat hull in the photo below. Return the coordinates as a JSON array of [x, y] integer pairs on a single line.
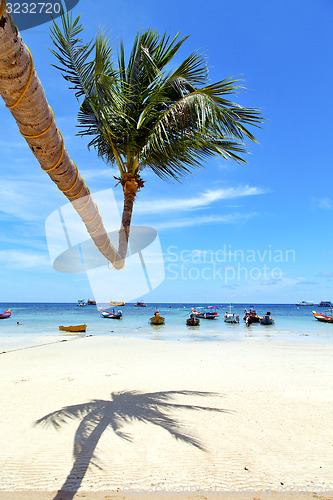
[[73, 328], [193, 322], [322, 318], [265, 321], [204, 315], [110, 315], [157, 320], [232, 320]]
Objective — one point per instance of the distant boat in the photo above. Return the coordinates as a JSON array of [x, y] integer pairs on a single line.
[[91, 302], [325, 304], [322, 318], [5, 314], [205, 314], [111, 315], [74, 328], [140, 304], [193, 320], [116, 303], [157, 319], [81, 303], [305, 303], [266, 320]]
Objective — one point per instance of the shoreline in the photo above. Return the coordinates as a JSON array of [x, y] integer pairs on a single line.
[[224, 415]]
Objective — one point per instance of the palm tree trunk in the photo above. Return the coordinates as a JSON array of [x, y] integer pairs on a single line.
[[130, 189], [125, 225], [24, 95]]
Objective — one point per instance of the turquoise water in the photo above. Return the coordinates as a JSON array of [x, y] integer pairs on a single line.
[[40, 324]]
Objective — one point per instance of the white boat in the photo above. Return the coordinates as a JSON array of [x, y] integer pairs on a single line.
[[305, 303], [230, 317]]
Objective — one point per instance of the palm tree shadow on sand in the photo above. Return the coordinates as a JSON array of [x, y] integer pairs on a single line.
[[123, 407]]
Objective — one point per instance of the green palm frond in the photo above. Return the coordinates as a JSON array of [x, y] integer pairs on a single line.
[[72, 54], [170, 119]]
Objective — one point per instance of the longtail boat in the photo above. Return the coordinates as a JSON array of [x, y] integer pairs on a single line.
[[73, 328]]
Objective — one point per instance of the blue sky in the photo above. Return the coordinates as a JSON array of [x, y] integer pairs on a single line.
[[273, 215]]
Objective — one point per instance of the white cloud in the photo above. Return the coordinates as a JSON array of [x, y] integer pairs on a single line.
[[201, 200], [17, 259], [209, 219], [324, 203], [99, 174], [24, 199]]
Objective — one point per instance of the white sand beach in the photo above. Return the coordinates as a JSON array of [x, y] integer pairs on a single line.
[[136, 417]]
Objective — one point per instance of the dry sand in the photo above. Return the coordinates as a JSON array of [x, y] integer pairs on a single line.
[[149, 417]]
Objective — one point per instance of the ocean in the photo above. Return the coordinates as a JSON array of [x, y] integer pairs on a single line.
[[40, 324]]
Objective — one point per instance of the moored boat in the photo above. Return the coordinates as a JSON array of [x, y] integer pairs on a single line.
[[5, 314], [116, 303], [91, 302], [111, 315], [157, 319], [231, 318], [204, 313], [81, 303], [322, 317], [305, 303], [324, 303], [266, 319], [251, 317], [73, 328], [193, 320]]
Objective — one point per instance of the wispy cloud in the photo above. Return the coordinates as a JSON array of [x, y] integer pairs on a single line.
[[209, 219], [97, 173], [324, 203], [16, 259], [325, 274], [23, 199], [201, 200]]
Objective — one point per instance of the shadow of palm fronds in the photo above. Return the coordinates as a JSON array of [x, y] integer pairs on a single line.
[[123, 408]]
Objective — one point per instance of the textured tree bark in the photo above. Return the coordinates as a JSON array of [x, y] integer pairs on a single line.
[[24, 95]]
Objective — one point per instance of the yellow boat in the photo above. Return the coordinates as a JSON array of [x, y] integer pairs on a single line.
[[115, 303], [157, 319], [75, 328]]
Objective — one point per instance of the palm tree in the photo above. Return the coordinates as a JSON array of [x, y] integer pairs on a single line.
[[141, 114], [24, 95], [98, 415]]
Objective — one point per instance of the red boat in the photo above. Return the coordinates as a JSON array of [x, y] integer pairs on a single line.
[[323, 318], [5, 314]]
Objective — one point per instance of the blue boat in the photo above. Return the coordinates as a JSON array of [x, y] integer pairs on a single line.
[[111, 315], [205, 314], [325, 304]]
